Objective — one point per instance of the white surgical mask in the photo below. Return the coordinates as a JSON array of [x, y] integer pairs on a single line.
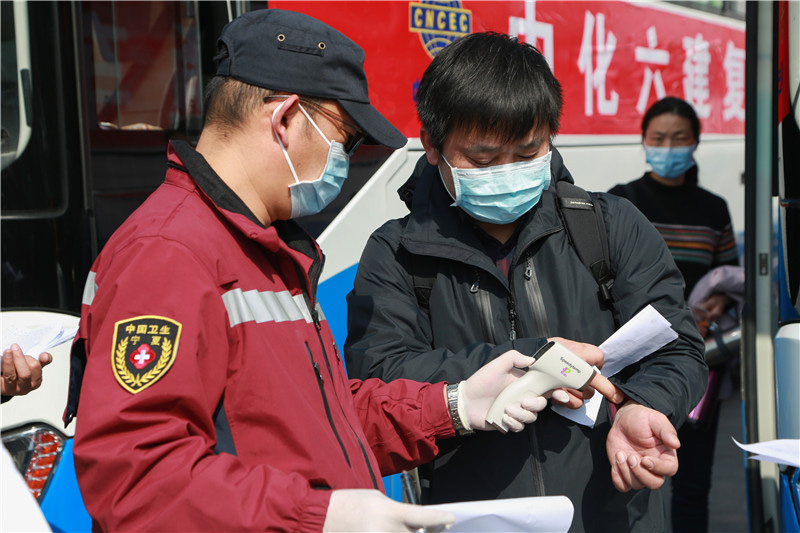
[[311, 197], [502, 193]]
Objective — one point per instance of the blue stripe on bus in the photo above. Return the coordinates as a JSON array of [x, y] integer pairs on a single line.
[[331, 295], [62, 504]]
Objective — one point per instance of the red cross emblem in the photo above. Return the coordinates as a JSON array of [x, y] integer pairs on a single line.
[[142, 356], [144, 348]]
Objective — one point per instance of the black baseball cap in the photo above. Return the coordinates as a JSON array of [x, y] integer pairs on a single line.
[[291, 52]]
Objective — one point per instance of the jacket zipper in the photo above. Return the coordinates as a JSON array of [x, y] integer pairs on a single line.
[[485, 308], [314, 274], [535, 298], [512, 317], [320, 382], [318, 327]]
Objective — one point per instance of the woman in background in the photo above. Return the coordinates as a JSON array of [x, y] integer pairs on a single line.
[[696, 226]]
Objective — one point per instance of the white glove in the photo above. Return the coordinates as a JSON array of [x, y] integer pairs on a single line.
[[478, 392], [370, 510]]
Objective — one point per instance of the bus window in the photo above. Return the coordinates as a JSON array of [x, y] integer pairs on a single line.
[[41, 180], [145, 65], [143, 86], [16, 82], [32, 186]]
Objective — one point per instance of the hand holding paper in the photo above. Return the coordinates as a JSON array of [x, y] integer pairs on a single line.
[[371, 510], [642, 335], [555, 365], [21, 373], [593, 355]]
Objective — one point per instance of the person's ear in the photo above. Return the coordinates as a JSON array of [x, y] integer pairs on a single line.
[[282, 115], [430, 152]]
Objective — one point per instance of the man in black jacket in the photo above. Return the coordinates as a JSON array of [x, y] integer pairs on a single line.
[[485, 228]]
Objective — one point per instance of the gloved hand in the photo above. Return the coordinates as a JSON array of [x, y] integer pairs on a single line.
[[479, 391], [370, 510]]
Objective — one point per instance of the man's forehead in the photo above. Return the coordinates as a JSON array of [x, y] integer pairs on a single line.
[[475, 139]]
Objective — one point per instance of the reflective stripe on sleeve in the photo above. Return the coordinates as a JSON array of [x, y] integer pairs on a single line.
[[89, 289], [267, 306]]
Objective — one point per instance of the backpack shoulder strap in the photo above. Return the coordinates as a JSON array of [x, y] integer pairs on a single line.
[[586, 229]]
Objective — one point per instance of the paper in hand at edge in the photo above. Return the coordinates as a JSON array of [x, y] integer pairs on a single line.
[[537, 513], [779, 451]]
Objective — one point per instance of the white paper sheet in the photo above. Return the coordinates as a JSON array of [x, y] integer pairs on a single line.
[[781, 451], [640, 336], [37, 339], [544, 513]]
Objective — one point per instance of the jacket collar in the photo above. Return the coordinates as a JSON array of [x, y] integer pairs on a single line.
[[188, 168], [183, 157], [437, 229]]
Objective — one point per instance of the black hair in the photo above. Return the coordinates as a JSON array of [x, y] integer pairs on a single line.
[[674, 106], [228, 101], [488, 82]]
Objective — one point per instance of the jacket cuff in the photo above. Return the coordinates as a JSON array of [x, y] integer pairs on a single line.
[[436, 415], [313, 510]]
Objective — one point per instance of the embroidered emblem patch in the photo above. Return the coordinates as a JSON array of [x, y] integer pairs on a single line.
[[144, 349]]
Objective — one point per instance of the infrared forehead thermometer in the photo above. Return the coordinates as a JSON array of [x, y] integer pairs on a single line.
[[555, 366]]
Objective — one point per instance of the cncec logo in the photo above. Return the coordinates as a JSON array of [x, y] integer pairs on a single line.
[[438, 23]]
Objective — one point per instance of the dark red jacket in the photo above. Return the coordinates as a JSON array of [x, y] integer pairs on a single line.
[[214, 397]]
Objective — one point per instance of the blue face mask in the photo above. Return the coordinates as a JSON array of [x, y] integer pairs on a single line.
[[503, 193], [670, 162], [311, 197]]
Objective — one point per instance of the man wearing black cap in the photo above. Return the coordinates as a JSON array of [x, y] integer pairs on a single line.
[[214, 397]]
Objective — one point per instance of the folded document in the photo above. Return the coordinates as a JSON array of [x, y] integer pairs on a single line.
[[37, 338]]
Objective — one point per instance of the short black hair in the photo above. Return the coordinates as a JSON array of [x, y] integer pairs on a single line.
[[488, 82], [674, 106], [228, 102]]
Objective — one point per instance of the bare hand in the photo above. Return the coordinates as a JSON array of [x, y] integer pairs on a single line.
[[709, 311], [370, 510], [642, 448], [21, 373], [593, 355]]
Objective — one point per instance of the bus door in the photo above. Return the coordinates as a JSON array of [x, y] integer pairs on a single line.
[[771, 321]]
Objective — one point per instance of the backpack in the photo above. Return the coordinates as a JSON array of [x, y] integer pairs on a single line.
[[586, 230]]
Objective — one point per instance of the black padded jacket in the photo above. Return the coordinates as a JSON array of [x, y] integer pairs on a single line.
[[476, 313]]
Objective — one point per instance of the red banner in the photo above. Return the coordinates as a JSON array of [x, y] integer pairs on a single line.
[[613, 59]]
